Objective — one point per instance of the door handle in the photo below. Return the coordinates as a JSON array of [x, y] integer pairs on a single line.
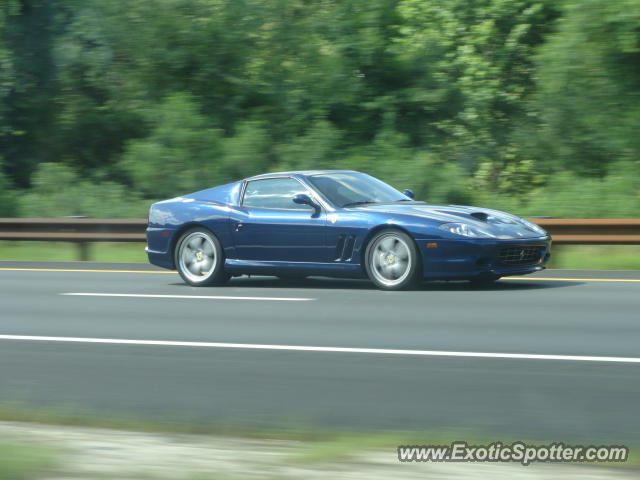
[[239, 226]]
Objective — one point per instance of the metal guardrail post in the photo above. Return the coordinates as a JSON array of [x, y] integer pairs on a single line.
[[83, 251]]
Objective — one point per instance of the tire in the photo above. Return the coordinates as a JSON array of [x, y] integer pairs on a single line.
[[392, 260], [199, 258]]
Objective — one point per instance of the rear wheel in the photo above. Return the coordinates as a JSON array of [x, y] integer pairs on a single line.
[[392, 260], [199, 258]]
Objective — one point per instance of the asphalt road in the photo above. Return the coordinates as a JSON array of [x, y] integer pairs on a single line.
[[423, 360]]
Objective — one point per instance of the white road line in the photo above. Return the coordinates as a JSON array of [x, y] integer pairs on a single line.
[[200, 297], [301, 348]]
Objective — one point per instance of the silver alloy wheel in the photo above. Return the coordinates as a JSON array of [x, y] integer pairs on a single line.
[[390, 260], [197, 257]]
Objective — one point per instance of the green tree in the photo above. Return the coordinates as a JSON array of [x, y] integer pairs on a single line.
[[7, 10], [473, 72], [448, 98], [180, 153], [588, 83], [29, 134], [318, 147]]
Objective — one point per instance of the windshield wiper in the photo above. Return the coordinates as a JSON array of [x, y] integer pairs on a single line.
[[354, 204]]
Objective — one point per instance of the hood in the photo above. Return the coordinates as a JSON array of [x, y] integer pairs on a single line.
[[500, 224]]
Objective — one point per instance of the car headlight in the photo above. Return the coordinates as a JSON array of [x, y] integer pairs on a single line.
[[465, 230], [532, 226]]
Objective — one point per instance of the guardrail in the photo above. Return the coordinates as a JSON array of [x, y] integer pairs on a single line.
[[592, 231], [82, 231]]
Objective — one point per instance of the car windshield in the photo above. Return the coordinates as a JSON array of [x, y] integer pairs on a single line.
[[346, 189]]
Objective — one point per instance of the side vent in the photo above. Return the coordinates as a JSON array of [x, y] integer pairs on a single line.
[[340, 247], [344, 247]]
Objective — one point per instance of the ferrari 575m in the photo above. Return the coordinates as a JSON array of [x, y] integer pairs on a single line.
[[339, 224]]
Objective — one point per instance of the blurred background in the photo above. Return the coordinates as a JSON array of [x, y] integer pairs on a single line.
[[527, 106]]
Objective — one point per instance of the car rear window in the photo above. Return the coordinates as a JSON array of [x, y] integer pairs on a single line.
[[274, 193]]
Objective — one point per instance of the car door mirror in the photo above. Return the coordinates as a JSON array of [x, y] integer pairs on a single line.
[[409, 193], [304, 199]]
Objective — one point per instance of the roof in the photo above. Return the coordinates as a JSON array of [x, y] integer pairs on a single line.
[[303, 173]]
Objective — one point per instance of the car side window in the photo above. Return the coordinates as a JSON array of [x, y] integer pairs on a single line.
[[274, 193]]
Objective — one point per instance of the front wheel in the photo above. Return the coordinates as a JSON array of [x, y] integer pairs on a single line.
[[392, 260], [200, 259]]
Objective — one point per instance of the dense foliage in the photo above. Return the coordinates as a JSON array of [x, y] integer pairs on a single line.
[[525, 105]]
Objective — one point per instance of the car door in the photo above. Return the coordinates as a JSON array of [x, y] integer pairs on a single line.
[[269, 226]]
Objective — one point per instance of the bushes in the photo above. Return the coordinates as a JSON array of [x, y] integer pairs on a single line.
[[8, 197], [58, 192]]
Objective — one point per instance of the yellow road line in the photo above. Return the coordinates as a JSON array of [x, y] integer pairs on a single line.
[[79, 270], [554, 279], [551, 279]]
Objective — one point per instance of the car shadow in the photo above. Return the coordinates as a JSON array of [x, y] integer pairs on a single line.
[[325, 283], [502, 284]]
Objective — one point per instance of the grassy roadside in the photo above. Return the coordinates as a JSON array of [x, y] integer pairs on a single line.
[[596, 257], [585, 257], [23, 459], [68, 252], [313, 445]]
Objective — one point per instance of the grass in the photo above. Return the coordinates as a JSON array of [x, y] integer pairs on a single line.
[[596, 257], [343, 447], [585, 257], [65, 251], [316, 445], [24, 460], [74, 415]]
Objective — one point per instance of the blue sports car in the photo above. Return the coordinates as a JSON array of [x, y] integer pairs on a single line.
[[336, 223]]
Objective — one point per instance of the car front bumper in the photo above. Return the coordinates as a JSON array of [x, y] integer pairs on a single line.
[[472, 258]]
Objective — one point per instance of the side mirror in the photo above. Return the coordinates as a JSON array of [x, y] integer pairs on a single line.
[[409, 193], [304, 199]]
